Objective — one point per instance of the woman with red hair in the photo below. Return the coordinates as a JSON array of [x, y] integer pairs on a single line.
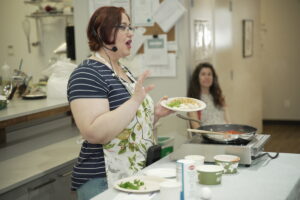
[[113, 111]]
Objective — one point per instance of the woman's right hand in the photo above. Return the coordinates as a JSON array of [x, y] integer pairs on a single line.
[[140, 91]]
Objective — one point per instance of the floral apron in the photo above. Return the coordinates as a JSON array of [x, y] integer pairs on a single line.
[[126, 154]]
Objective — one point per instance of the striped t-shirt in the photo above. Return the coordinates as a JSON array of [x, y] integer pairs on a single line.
[[93, 79]]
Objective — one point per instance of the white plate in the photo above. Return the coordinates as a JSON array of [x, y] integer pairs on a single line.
[[151, 184], [199, 105], [161, 172], [34, 96]]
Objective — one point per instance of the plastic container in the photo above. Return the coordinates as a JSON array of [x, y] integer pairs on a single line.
[[167, 145], [6, 73], [3, 102], [5, 83]]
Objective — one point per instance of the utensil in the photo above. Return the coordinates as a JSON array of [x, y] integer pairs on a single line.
[[21, 64], [205, 132], [26, 29], [187, 118]]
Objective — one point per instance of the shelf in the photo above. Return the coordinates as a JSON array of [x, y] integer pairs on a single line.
[[38, 2], [39, 15]]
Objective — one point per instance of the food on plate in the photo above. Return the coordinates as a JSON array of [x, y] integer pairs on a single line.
[[135, 185], [183, 103]]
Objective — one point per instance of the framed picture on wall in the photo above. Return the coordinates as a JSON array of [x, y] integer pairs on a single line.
[[247, 38]]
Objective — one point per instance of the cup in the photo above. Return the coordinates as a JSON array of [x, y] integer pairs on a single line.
[[210, 174], [228, 162], [170, 190], [199, 160]]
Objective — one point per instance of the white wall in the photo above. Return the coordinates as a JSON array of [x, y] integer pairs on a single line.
[[246, 87], [239, 77], [280, 32], [12, 13]]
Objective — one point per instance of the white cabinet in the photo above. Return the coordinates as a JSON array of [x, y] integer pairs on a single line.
[[55, 185]]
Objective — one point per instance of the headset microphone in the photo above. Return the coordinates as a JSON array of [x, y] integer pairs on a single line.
[[113, 49]]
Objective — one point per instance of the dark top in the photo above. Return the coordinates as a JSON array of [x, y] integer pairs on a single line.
[[93, 79]]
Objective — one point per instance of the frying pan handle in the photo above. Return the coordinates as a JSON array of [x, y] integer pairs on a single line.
[[187, 118]]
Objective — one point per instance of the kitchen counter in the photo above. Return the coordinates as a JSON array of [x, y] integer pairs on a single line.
[[19, 110], [26, 167], [264, 179], [19, 107]]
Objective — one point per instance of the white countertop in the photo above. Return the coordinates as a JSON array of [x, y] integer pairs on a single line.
[[276, 179], [31, 165], [20, 107]]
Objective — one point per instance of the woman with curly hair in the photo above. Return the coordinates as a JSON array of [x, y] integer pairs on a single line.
[[204, 85]]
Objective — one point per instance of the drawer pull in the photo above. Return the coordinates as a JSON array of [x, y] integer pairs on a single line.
[[42, 185], [65, 174]]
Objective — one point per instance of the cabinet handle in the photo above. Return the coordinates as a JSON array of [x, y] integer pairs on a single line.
[[65, 174], [42, 185]]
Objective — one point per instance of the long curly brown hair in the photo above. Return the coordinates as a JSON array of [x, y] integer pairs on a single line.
[[194, 90]]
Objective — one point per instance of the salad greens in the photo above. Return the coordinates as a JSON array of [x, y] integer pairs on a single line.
[[133, 186], [175, 103]]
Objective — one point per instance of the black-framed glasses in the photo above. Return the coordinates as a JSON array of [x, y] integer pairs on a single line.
[[125, 28]]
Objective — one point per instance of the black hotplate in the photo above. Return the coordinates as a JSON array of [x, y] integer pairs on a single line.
[[239, 141]]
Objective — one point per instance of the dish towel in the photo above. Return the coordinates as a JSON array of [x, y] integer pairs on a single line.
[[129, 196]]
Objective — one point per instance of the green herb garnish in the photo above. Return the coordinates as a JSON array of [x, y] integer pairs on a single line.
[[133, 186], [174, 103]]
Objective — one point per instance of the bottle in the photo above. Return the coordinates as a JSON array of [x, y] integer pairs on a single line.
[[185, 174], [6, 79]]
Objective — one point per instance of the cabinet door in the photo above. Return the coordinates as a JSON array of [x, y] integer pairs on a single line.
[[63, 185], [16, 194], [56, 185], [42, 189]]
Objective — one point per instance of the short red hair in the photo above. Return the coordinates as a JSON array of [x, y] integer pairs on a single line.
[[102, 25]]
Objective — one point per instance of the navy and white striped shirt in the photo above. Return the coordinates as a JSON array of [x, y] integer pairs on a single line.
[[93, 79]]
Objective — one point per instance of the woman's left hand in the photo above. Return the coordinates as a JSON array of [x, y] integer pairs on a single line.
[[160, 111]]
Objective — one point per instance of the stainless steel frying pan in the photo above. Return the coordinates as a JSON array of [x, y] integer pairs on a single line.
[[247, 133]]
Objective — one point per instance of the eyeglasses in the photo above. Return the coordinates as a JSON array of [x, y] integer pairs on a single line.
[[125, 28]]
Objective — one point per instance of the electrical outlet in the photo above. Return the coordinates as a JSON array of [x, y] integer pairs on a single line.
[[286, 103], [10, 50]]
